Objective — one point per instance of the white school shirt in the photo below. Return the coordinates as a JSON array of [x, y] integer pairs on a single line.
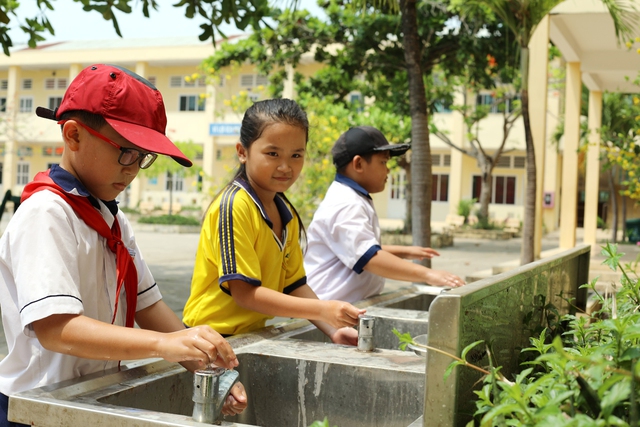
[[342, 237], [52, 262]]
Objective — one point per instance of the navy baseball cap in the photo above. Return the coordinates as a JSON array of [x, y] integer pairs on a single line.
[[361, 140]]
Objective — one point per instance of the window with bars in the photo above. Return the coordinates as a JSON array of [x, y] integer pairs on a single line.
[[435, 160], [54, 102], [26, 104], [3, 104], [504, 162], [4, 84], [182, 81], [191, 103], [176, 180], [398, 186], [503, 190], [519, 162], [152, 80], [22, 177], [55, 83], [253, 80], [440, 187], [52, 151], [27, 84], [488, 99]]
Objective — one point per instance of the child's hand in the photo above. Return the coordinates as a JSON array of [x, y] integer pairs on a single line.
[[200, 344], [236, 402], [340, 314], [418, 252], [346, 336], [444, 279]]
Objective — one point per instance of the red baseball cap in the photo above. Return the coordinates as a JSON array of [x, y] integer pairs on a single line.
[[128, 102]]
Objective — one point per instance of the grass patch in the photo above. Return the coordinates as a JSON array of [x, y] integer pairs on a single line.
[[169, 220]]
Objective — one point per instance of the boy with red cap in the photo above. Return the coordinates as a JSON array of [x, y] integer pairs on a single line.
[[72, 279]]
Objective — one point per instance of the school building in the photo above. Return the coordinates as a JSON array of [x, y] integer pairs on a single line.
[[196, 112]]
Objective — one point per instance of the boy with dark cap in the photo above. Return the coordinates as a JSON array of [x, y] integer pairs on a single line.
[[72, 279], [344, 258]]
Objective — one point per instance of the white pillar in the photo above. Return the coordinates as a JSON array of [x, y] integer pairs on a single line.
[[592, 178], [74, 70], [569, 197], [552, 173], [10, 158], [458, 132], [538, 64]]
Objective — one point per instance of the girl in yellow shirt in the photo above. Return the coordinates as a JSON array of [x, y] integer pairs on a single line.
[[249, 264]]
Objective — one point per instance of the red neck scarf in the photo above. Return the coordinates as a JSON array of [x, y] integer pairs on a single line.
[[125, 268]]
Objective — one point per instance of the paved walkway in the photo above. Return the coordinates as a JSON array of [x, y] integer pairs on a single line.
[[171, 256]]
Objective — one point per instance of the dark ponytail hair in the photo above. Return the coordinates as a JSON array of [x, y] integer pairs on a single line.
[[256, 119]]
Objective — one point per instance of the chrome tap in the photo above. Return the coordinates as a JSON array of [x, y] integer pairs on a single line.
[[211, 387], [365, 334]]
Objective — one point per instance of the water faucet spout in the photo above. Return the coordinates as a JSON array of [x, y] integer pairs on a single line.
[[365, 334], [210, 390]]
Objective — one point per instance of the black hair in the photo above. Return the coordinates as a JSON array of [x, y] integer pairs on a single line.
[[256, 119], [94, 121], [366, 156]]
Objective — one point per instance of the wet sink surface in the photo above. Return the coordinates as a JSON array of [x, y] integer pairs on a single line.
[[320, 381], [288, 383]]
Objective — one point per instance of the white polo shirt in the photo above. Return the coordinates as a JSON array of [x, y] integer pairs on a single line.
[[343, 236], [52, 262]]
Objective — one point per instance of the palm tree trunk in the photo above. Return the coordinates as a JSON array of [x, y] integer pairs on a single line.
[[421, 151], [528, 227]]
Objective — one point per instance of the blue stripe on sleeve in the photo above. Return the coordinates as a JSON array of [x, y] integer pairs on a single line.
[[364, 259]]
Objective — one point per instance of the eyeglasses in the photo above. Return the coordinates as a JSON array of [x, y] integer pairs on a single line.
[[128, 156]]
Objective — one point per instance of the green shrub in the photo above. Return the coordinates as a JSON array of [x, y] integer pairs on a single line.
[[587, 376], [169, 220], [465, 206]]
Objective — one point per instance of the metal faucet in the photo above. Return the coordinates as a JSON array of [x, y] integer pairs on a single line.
[[211, 387], [365, 334]]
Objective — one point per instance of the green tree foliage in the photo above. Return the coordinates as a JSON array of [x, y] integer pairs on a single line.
[[244, 14]]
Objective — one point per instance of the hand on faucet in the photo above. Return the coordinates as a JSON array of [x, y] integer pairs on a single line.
[[236, 402]]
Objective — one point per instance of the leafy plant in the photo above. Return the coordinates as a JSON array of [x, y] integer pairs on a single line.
[[464, 207], [324, 423], [587, 376]]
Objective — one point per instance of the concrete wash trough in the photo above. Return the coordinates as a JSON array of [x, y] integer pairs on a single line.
[[293, 377]]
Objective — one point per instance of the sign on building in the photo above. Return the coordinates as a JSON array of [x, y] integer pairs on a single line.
[[224, 129]]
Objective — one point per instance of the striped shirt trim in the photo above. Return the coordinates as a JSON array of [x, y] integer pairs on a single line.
[[50, 296], [225, 226]]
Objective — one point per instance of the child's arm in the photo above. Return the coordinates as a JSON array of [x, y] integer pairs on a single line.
[[267, 301], [346, 335], [410, 252], [82, 336], [387, 265], [159, 317]]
